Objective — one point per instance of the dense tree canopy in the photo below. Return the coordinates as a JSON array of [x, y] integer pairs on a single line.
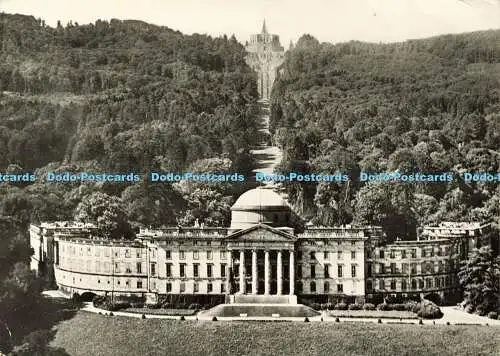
[[428, 106]]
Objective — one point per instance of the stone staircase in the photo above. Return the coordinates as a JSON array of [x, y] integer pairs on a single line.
[[262, 299]]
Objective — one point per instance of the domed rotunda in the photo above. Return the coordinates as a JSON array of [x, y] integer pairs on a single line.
[[259, 206]]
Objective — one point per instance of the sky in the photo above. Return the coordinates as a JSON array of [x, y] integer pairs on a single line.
[[327, 20]]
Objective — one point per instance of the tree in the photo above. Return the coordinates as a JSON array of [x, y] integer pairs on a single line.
[[107, 213], [479, 277]]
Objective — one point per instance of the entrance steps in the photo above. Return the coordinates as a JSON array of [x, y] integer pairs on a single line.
[[262, 299]]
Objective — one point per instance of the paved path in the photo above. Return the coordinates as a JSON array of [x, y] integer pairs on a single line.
[[267, 156], [451, 315]]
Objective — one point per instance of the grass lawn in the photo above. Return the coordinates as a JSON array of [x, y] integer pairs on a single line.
[[91, 334], [388, 314], [160, 311]]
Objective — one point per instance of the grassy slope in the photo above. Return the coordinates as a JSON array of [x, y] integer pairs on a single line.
[[89, 334]]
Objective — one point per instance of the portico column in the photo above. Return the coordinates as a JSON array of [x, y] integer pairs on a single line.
[[292, 273], [279, 276], [228, 271], [242, 271], [267, 269], [254, 272]]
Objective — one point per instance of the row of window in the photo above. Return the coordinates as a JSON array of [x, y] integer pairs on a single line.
[[326, 287], [412, 268], [424, 252], [326, 255], [196, 270], [327, 271], [428, 283], [196, 255]]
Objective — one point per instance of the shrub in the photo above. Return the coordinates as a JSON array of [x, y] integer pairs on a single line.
[[143, 316], [214, 318], [153, 306], [493, 315], [194, 306], [183, 318], [316, 306], [369, 306], [411, 306], [384, 306], [306, 319], [429, 310], [337, 320], [340, 306], [355, 306], [399, 307]]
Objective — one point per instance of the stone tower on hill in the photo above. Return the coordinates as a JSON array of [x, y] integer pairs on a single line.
[[265, 55]]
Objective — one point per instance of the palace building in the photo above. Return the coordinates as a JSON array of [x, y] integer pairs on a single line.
[[258, 257]]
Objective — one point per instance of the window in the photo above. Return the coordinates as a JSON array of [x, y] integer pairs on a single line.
[[127, 253], [369, 269], [432, 252], [381, 253], [381, 284], [339, 270], [182, 287], [138, 253], [313, 271], [339, 255], [413, 268], [369, 286], [382, 268], [97, 251], [325, 255], [209, 288], [98, 266], [168, 254], [421, 283], [393, 268], [340, 288], [326, 287], [209, 255], [312, 287], [196, 270], [169, 287], [393, 285], [353, 255], [168, 269], [393, 254], [139, 284], [127, 283], [404, 268], [209, 270], [195, 287], [299, 271], [353, 270], [153, 269], [117, 267], [182, 270], [413, 253], [403, 253], [223, 255], [139, 267], [327, 272], [128, 268], [209, 243], [223, 270], [312, 255], [182, 255], [403, 284], [299, 255], [89, 251], [353, 243], [195, 242], [424, 253], [438, 283], [195, 255], [222, 288], [413, 284], [428, 283]]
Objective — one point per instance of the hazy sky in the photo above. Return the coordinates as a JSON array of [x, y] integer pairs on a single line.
[[327, 20]]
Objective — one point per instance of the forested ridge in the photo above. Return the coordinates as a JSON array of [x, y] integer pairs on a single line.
[[115, 97], [428, 106]]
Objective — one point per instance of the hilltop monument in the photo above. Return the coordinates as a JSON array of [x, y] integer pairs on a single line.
[[265, 55]]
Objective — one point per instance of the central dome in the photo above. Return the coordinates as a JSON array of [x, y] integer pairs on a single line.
[[260, 199], [259, 206]]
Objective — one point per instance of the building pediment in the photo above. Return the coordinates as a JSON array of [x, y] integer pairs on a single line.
[[261, 233]]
